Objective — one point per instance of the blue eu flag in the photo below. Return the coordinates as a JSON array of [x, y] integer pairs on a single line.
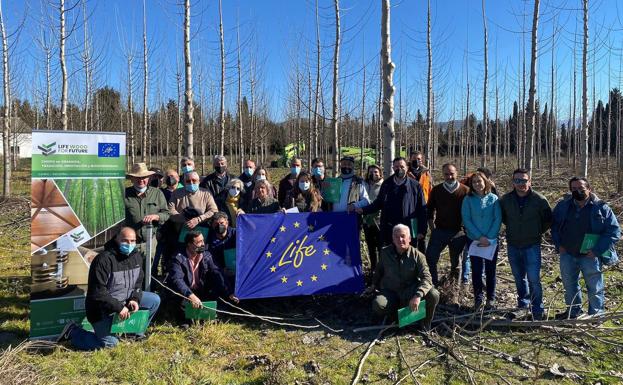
[[280, 255], [108, 150]]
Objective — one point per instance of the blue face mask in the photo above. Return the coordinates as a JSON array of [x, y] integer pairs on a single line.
[[140, 190], [295, 170], [248, 171], [318, 171], [192, 187], [126, 248], [187, 169]]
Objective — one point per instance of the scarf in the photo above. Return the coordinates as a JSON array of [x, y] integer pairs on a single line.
[[451, 187], [232, 207]]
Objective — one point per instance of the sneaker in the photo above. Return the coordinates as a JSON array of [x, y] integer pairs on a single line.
[[490, 305], [477, 305], [67, 330]]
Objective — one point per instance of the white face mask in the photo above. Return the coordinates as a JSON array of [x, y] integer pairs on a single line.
[[304, 186], [233, 192], [260, 177]]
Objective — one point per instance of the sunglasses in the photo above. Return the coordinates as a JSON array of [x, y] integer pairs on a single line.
[[520, 181]]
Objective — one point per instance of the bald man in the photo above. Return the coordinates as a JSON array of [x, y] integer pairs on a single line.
[[114, 288]]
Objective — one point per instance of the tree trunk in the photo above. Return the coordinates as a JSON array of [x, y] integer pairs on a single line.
[[584, 149], [189, 119], [222, 107], [86, 58], [429, 88], [144, 149], [485, 127], [61, 50], [388, 89], [334, 115], [6, 145], [532, 91], [130, 110]]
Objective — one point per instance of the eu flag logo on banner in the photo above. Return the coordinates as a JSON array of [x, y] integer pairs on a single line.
[[108, 150], [280, 255]]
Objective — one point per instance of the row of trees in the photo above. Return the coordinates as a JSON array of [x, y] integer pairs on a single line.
[[197, 123]]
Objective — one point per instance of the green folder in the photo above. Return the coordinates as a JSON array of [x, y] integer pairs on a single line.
[[589, 241], [407, 317], [185, 230], [414, 228], [230, 259], [332, 189], [86, 325], [136, 324], [208, 311]]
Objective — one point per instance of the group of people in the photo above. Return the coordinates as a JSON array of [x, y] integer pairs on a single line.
[[395, 215]]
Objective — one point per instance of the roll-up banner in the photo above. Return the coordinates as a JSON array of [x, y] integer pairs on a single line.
[[77, 195]]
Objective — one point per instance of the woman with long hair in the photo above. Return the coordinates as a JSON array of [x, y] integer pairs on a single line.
[[371, 229], [304, 196]]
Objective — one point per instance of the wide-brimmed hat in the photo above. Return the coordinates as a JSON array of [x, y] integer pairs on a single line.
[[139, 170]]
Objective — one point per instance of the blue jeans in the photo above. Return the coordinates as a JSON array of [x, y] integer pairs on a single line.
[[526, 267], [465, 265], [489, 267], [591, 268], [101, 337]]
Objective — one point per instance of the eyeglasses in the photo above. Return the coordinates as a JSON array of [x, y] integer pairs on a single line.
[[520, 181]]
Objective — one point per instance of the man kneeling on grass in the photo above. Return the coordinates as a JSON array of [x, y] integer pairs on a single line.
[[114, 288], [403, 278], [195, 275]]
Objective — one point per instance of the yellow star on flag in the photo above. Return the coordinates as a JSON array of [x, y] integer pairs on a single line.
[[269, 254], [297, 225], [299, 283], [321, 238], [273, 269], [326, 252], [284, 279], [273, 239], [310, 227], [282, 229], [323, 266], [314, 278]]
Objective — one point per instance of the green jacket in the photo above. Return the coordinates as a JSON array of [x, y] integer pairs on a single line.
[[137, 208], [407, 275], [524, 227]]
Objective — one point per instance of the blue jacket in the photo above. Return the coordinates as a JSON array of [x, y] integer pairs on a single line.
[[482, 216], [210, 277], [603, 222]]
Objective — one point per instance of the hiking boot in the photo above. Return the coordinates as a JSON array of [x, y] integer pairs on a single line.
[[566, 315], [67, 330], [477, 305]]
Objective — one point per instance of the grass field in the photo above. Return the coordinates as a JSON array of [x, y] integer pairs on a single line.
[[237, 350]]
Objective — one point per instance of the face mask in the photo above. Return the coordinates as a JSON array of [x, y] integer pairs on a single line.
[[222, 229], [187, 169], [140, 190], [171, 181], [416, 164], [192, 187], [579, 195], [200, 249], [260, 177], [248, 171], [304, 186], [400, 173], [126, 248], [295, 170], [318, 171], [233, 192], [346, 172], [220, 169]]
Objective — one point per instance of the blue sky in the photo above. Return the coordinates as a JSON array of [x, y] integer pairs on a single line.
[[279, 35]]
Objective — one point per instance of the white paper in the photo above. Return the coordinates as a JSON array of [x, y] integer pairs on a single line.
[[486, 252], [293, 210]]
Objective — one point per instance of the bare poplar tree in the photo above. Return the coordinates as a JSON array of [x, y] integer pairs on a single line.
[[222, 108], [188, 84], [388, 67], [429, 90], [86, 59], [584, 149], [531, 111], [317, 101], [485, 127], [6, 145], [240, 129], [144, 149], [64, 87], [334, 115]]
